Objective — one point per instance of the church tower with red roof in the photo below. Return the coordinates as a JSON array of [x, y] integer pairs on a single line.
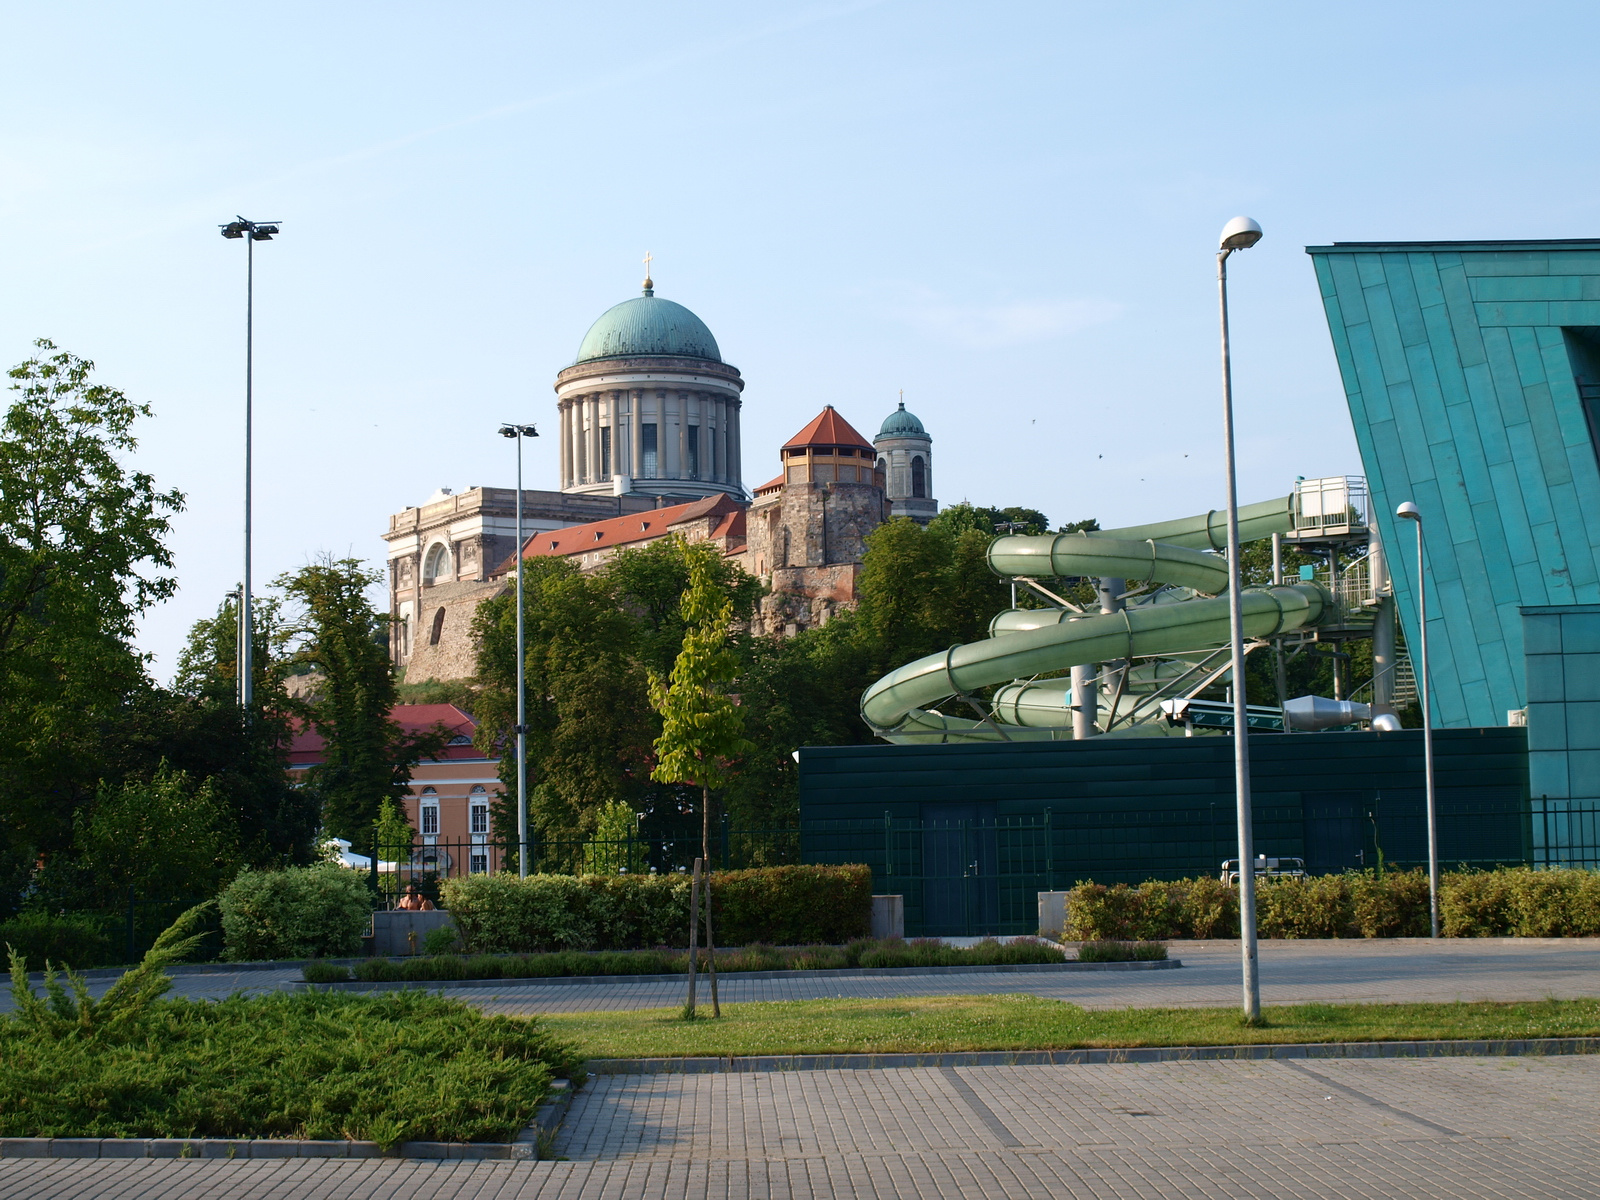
[[807, 529]]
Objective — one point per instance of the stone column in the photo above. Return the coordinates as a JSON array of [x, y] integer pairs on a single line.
[[574, 431], [666, 444], [683, 435], [563, 446], [736, 450], [636, 432]]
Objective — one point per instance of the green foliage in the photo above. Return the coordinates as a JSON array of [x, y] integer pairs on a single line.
[[792, 905], [862, 952], [702, 728], [343, 637], [502, 914], [1509, 902], [389, 1068], [82, 554], [60, 1014], [79, 940], [395, 836], [617, 848], [301, 912], [163, 837], [1122, 952], [442, 940]]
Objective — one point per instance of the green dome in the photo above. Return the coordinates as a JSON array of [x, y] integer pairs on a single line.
[[902, 424], [648, 324]]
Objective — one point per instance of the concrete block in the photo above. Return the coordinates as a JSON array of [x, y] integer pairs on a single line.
[[123, 1148], [424, 1150], [1580, 632], [1583, 774], [888, 917], [174, 1148], [224, 1148], [1547, 727], [274, 1148], [1546, 674], [24, 1147], [1581, 676], [328, 1148], [362, 1150], [74, 1147], [1052, 914], [392, 931], [1583, 727]]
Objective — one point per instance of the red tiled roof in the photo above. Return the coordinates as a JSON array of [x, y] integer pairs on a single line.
[[306, 746], [621, 531], [771, 483], [828, 429]]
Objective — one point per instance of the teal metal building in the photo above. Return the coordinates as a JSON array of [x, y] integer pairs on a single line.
[[1472, 371]]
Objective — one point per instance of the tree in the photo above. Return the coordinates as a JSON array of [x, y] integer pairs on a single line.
[[367, 755], [701, 726], [82, 554]]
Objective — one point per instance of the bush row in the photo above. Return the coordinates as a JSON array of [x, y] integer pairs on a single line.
[[76, 940], [864, 952], [1510, 902], [795, 905]]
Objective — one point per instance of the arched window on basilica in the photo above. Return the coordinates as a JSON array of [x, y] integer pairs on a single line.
[[919, 479], [436, 566]]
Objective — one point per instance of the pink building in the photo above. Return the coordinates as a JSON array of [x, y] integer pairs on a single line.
[[449, 798]]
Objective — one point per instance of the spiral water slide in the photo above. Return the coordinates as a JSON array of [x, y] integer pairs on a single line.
[[1176, 629]]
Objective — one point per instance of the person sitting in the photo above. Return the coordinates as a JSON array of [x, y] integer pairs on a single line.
[[413, 901]]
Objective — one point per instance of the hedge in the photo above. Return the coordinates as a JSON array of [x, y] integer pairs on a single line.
[[502, 914], [1509, 902], [76, 940], [301, 912]]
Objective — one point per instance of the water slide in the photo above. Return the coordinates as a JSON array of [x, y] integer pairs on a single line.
[[1178, 629]]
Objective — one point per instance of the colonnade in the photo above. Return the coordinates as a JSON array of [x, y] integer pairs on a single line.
[[603, 434]]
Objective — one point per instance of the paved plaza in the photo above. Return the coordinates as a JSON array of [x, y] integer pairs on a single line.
[[1496, 1127], [1457, 1127]]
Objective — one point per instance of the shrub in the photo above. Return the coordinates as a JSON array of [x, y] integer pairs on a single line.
[[77, 940], [1122, 952], [1393, 904], [302, 912], [1312, 906], [1210, 909], [441, 940], [502, 914], [793, 905]]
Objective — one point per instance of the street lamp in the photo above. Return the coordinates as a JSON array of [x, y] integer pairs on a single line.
[[1410, 512], [513, 430], [251, 232], [1238, 234]]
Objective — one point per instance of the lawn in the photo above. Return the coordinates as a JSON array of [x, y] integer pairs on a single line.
[[946, 1023]]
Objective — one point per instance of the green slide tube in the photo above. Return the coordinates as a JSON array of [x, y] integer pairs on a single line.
[[1028, 643]]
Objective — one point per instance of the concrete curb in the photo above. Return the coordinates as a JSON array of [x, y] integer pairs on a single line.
[[526, 1147], [1505, 1048], [678, 976]]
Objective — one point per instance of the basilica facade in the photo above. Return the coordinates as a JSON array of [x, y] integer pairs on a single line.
[[650, 447]]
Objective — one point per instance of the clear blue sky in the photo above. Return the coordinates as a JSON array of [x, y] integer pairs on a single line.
[[1008, 210]]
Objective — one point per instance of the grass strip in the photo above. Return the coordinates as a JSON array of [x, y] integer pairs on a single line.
[[1019, 1022], [866, 952], [398, 1067]]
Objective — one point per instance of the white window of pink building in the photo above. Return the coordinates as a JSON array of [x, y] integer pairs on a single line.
[[430, 812], [480, 810]]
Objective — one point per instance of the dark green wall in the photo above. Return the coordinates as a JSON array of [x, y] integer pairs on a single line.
[[1041, 816]]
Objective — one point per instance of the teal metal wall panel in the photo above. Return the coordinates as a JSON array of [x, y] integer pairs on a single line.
[[1460, 368]]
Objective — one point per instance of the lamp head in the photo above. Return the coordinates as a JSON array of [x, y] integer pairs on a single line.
[[1239, 234], [1408, 512], [528, 431], [234, 229], [508, 431], [263, 233]]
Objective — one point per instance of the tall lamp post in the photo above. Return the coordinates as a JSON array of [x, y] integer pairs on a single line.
[[251, 232], [512, 430], [1410, 512], [1238, 234]]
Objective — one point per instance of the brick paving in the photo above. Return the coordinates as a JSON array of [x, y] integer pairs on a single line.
[[1333, 1128]]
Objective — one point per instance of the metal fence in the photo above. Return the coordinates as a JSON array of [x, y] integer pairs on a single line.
[[982, 875]]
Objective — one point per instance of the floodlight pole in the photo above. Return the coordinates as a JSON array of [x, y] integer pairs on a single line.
[[1410, 512], [519, 432], [252, 232], [1238, 234]]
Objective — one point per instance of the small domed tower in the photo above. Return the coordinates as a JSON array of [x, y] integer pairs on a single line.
[[905, 456]]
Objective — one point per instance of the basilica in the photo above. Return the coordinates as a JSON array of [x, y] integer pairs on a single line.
[[649, 447]]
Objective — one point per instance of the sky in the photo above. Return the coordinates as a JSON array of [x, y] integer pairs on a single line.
[[1009, 211]]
